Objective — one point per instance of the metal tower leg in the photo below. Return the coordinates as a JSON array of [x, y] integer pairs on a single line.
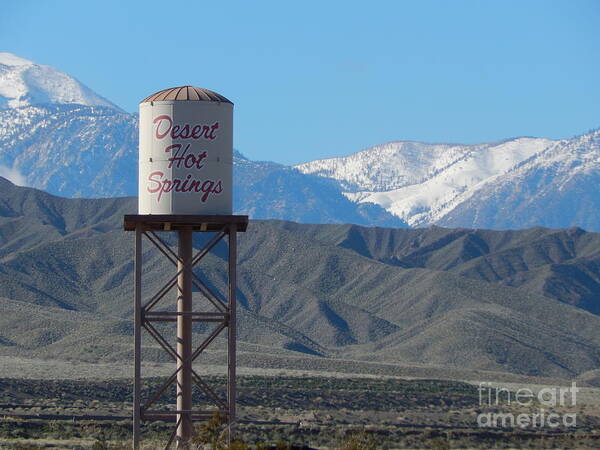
[[137, 314], [184, 340], [231, 338], [223, 314]]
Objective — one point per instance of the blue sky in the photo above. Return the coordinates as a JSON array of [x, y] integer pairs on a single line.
[[321, 79]]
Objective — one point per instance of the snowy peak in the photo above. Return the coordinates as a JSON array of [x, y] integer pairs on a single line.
[[8, 59], [388, 166], [555, 188], [25, 83], [420, 182], [56, 134]]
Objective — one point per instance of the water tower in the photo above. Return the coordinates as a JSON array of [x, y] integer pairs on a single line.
[[185, 186]]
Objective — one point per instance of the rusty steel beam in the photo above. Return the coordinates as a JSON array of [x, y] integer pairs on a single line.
[[231, 335], [162, 389], [162, 292], [173, 433], [137, 337], [208, 247], [160, 245], [184, 340], [208, 340], [210, 295]]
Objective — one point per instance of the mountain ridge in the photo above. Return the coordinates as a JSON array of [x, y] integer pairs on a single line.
[[91, 151], [389, 295], [25, 83]]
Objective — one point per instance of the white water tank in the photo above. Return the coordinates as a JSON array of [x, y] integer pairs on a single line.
[[186, 153]]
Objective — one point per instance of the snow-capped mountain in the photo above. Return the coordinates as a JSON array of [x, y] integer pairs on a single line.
[[84, 151], [387, 167], [427, 184], [70, 150], [58, 135], [556, 188], [76, 144], [24, 83]]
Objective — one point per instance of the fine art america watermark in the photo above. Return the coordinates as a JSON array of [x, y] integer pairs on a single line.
[[539, 414]]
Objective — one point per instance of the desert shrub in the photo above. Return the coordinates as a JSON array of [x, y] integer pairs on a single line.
[[211, 433], [100, 445], [281, 445], [358, 440], [439, 444]]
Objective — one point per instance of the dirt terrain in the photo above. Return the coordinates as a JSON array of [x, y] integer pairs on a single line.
[[293, 412]]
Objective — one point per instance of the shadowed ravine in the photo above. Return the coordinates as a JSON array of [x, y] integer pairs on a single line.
[[522, 301]]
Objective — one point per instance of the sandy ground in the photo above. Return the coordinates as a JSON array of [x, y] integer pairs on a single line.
[[16, 367]]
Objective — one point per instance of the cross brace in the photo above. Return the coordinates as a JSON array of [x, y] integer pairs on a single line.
[[223, 316]]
